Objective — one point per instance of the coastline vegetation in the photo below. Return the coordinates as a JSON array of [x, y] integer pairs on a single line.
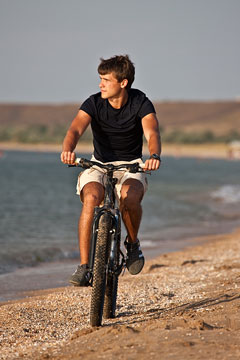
[[54, 134], [37, 134], [202, 137], [181, 122]]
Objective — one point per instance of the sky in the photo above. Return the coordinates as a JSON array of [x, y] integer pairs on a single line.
[[182, 49]]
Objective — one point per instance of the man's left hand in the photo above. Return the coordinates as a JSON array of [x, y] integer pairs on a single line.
[[152, 164]]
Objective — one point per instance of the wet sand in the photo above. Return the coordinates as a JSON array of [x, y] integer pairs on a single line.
[[184, 305]]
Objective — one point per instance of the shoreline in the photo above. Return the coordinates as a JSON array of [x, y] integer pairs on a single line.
[[182, 302], [54, 274], [215, 151]]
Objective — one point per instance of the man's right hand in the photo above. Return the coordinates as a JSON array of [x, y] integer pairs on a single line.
[[68, 157]]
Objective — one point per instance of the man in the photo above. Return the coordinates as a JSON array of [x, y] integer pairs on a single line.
[[119, 116]]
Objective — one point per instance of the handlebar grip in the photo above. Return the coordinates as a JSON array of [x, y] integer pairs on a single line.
[[84, 163], [78, 161]]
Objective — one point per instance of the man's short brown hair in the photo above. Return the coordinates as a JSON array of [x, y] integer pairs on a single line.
[[121, 66]]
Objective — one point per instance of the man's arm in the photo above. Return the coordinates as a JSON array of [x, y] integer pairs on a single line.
[[152, 134], [77, 128]]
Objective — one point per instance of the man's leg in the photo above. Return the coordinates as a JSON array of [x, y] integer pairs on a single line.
[[92, 196], [130, 204]]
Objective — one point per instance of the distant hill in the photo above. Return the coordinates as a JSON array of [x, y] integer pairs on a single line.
[[180, 121], [24, 114], [218, 117]]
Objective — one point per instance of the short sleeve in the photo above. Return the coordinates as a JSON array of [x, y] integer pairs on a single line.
[[146, 108], [88, 107]]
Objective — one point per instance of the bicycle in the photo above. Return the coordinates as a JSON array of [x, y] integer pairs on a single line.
[[106, 260]]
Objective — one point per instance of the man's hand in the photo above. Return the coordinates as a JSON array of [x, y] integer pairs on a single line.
[[152, 164], [68, 157]]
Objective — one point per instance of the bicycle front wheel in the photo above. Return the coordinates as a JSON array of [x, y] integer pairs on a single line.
[[99, 270]]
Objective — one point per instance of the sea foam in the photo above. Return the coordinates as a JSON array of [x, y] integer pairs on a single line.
[[228, 194]]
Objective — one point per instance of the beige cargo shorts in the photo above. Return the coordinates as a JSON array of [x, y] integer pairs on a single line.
[[97, 174]]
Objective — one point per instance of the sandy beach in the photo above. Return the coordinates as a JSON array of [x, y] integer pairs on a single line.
[[184, 305]]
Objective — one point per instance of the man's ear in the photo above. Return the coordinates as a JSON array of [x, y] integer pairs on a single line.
[[124, 83]]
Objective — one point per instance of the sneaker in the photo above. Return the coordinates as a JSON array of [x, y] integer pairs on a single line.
[[81, 276], [135, 258]]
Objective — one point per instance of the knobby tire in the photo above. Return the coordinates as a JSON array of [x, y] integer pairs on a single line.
[[99, 270]]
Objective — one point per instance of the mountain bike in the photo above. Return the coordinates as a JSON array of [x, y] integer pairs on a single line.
[[106, 260]]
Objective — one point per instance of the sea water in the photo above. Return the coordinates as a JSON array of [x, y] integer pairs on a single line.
[[39, 210]]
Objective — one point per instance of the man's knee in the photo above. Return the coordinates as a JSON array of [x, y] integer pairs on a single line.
[[92, 194], [131, 193]]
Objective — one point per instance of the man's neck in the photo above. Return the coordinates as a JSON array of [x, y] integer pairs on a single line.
[[119, 101]]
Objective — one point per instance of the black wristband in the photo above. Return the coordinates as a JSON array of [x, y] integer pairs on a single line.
[[155, 156]]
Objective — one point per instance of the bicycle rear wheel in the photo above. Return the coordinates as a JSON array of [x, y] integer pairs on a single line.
[[112, 283], [99, 270]]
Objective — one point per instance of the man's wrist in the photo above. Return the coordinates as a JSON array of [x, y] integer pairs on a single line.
[[155, 156]]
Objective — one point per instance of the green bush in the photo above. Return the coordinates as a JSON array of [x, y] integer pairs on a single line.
[[37, 133], [40, 133], [181, 137]]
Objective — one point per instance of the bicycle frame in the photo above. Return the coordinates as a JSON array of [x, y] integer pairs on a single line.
[[109, 206]]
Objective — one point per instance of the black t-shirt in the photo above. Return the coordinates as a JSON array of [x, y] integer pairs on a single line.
[[118, 133]]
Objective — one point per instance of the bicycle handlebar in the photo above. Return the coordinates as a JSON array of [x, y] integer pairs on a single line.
[[86, 164]]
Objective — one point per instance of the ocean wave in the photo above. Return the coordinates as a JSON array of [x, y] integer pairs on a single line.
[[12, 261], [147, 243], [228, 194]]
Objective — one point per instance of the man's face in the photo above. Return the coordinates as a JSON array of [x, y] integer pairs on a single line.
[[110, 87]]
